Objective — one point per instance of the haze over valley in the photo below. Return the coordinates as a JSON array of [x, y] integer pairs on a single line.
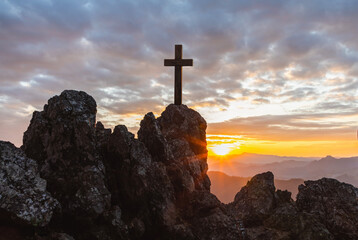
[[229, 173]]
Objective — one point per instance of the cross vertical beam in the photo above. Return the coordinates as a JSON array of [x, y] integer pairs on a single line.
[[178, 76], [178, 63]]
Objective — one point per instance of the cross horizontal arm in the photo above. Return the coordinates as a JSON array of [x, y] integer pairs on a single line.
[[178, 62]]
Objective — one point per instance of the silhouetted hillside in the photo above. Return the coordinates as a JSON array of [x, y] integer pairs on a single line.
[[254, 158], [344, 169], [225, 187]]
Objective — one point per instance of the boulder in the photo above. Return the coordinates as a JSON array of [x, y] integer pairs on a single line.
[[256, 200], [178, 140], [23, 196], [269, 214], [185, 132], [25, 205], [334, 203]]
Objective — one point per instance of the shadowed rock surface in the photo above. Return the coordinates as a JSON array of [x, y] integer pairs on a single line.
[[334, 203], [61, 139], [23, 196], [270, 214], [110, 185]]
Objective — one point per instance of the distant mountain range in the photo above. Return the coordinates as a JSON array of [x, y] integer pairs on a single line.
[[254, 158], [225, 187], [248, 165], [229, 175]]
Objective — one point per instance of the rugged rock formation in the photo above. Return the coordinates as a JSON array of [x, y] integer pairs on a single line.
[[110, 185], [334, 203], [23, 196], [61, 139], [256, 200], [270, 214]]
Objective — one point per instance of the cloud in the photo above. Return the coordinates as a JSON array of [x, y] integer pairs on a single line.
[[292, 127], [253, 54]]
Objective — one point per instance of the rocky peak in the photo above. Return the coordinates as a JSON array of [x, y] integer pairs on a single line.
[[178, 137], [256, 200], [61, 138], [182, 126], [71, 104]]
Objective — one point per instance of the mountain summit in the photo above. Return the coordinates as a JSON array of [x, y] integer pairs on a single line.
[[75, 179]]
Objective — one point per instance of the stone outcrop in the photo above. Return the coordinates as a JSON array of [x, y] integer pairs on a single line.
[[270, 214], [256, 200], [23, 192], [61, 139], [334, 203], [110, 185], [24, 200]]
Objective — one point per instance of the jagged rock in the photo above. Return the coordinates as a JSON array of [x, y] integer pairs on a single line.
[[102, 137], [286, 222], [151, 135], [182, 124], [185, 132], [23, 195], [140, 185], [210, 219], [256, 200], [270, 214], [61, 139], [334, 203], [177, 139]]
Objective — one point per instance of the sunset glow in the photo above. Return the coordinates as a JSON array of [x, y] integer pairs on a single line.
[[234, 145], [268, 77], [222, 149]]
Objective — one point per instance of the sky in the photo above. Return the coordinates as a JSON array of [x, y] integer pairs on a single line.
[[270, 77]]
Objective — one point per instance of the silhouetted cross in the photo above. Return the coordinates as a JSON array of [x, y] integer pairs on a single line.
[[178, 63]]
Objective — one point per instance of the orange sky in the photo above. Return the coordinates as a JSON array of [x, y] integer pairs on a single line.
[[220, 144]]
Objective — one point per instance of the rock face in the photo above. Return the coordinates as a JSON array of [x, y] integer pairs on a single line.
[[113, 186], [61, 139], [110, 185], [334, 203], [256, 200], [270, 214], [23, 196]]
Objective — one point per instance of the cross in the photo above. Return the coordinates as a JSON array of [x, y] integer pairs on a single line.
[[178, 63]]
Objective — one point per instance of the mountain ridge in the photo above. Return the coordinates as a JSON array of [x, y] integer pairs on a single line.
[[325, 167], [225, 187], [256, 158]]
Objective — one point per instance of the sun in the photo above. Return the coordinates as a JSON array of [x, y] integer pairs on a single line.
[[222, 149]]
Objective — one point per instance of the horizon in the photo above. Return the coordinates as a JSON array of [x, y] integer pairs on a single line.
[[232, 153], [275, 78]]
